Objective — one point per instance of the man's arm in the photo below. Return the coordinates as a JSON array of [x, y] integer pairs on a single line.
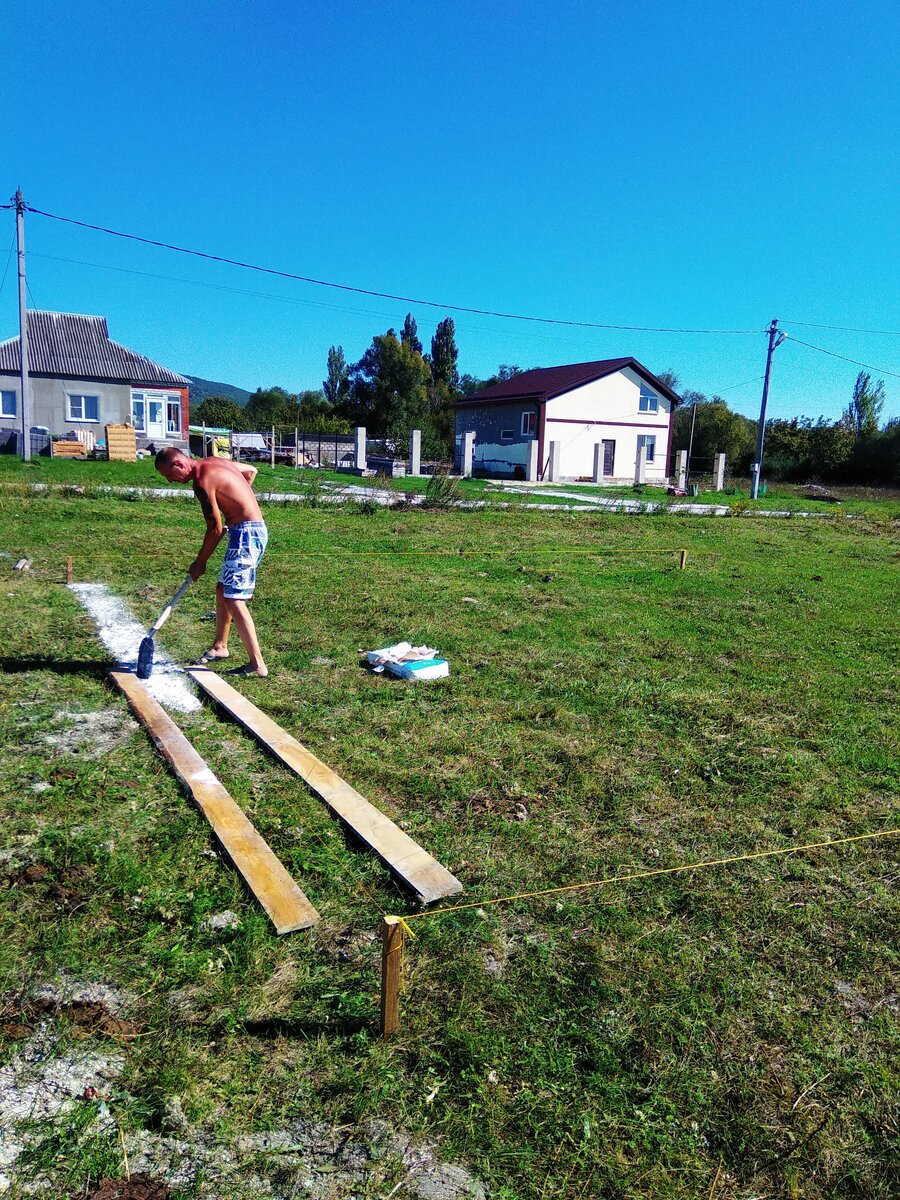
[[248, 471], [214, 529]]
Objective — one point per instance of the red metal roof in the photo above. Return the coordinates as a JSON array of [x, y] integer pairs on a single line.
[[543, 383], [72, 346]]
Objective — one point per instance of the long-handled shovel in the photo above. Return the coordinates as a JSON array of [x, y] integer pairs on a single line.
[[145, 654]]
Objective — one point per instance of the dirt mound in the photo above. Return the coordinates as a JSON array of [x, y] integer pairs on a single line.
[[138, 1187]]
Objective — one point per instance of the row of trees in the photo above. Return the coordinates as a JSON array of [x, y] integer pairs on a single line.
[[853, 449], [396, 386]]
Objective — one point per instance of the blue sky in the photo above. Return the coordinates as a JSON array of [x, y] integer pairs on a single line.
[[679, 165]]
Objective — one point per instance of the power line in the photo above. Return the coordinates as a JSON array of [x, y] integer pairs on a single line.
[[482, 312], [856, 362], [843, 328]]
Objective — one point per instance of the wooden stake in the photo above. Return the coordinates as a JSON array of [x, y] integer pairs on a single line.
[[296, 449], [392, 938], [70, 578], [273, 445], [683, 559]]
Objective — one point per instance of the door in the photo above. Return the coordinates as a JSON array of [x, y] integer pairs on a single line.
[[609, 457], [155, 425]]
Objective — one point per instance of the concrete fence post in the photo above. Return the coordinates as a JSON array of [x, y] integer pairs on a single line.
[[719, 473], [681, 469], [359, 448], [415, 452], [554, 457], [468, 453], [533, 465], [640, 465], [598, 462]]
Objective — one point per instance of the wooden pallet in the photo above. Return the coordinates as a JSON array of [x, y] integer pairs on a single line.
[[408, 861], [67, 449], [288, 907], [121, 443]]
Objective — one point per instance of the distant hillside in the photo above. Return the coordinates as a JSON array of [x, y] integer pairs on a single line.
[[201, 388]]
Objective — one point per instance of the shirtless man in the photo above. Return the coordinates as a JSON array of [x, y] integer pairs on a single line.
[[227, 499]]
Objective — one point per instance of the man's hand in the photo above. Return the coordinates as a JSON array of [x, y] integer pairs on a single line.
[[196, 569]]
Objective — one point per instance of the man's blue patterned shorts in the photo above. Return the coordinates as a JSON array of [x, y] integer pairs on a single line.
[[246, 546]]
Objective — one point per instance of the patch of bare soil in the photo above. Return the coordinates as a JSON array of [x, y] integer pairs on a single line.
[[69, 888], [138, 1187]]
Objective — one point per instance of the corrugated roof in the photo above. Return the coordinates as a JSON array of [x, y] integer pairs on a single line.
[[72, 346], [543, 383]]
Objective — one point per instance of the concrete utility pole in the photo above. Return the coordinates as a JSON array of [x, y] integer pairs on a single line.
[[19, 202], [775, 340]]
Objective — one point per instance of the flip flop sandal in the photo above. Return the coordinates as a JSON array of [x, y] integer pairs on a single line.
[[205, 659]]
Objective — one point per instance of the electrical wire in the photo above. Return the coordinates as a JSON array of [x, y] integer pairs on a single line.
[[8, 260], [843, 328], [844, 358], [482, 312]]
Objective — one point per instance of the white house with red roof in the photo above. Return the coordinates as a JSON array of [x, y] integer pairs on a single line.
[[615, 403]]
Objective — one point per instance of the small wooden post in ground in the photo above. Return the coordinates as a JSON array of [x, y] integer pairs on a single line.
[[69, 573], [296, 449], [392, 937], [683, 563]]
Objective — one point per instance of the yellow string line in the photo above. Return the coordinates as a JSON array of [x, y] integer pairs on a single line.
[[350, 553], [715, 862]]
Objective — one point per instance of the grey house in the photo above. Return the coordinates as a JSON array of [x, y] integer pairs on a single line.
[[81, 380], [614, 403]]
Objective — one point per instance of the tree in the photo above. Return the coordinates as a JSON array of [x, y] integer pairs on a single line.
[[717, 430], [219, 412], [669, 378], [389, 389], [270, 406], [337, 384], [445, 355], [864, 409], [410, 334]]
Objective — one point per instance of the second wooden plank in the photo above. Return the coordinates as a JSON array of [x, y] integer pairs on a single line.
[[412, 864]]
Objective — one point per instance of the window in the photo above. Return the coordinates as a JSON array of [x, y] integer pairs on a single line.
[[507, 435], [7, 404], [529, 422], [138, 412], [648, 402], [173, 415], [83, 408], [649, 441]]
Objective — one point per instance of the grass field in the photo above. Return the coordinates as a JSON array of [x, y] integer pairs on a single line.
[[730, 1032]]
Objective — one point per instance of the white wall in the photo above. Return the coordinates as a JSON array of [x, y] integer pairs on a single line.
[[607, 409]]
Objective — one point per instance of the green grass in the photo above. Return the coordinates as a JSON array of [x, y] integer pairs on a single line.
[[636, 1041], [881, 507]]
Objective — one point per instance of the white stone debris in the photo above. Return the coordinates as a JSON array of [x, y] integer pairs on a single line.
[[122, 634]]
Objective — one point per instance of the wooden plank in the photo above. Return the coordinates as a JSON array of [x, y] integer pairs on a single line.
[[411, 864], [262, 871]]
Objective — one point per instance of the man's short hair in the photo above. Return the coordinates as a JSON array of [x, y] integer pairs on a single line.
[[168, 456]]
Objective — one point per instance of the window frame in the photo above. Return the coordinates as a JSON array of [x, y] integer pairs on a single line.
[[648, 401], [173, 402], [139, 398], [507, 435], [648, 441], [4, 392], [82, 396], [529, 417]]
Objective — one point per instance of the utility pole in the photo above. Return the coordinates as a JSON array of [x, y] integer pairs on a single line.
[[687, 474], [775, 340], [19, 202]]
